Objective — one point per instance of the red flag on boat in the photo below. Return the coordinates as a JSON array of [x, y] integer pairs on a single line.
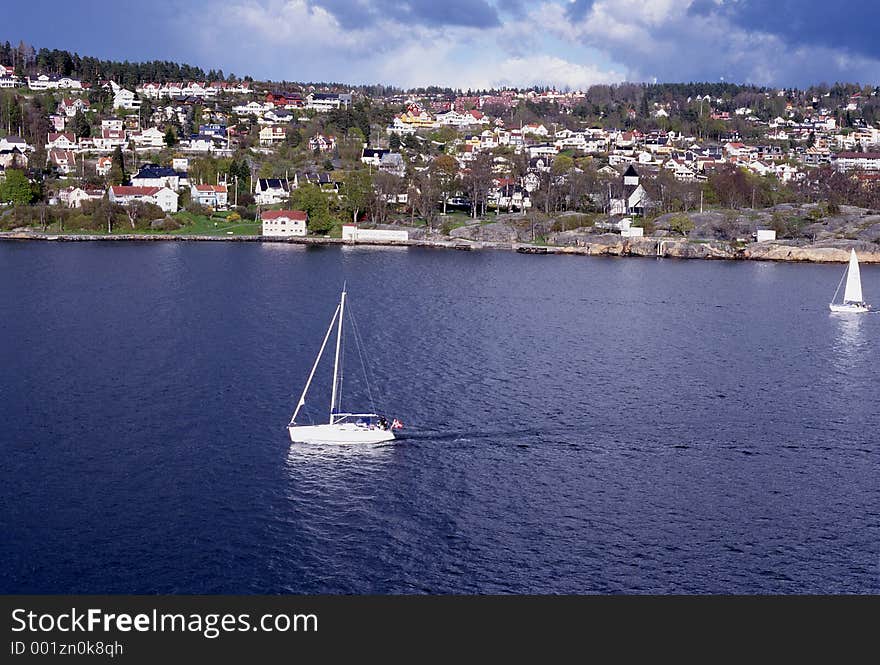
[[396, 424]]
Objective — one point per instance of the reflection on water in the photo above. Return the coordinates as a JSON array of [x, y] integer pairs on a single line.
[[283, 247], [850, 339], [314, 455]]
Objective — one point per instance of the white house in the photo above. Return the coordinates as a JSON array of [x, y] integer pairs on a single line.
[[107, 142], [58, 141], [149, 139], [322, 143], [102, 168], [373, 156], [634, 199], [10, 142], [63, 160], [160, 196], [865, 161], [45, 82], [114, 124], [271, 190], [272, 134], [215, 197], [535, 128], [153, 175], [284, 223], [322, 102], [252, 108], [126, 99], [77, 196]]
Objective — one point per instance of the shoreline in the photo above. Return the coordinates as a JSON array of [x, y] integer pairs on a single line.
[[835, 251]]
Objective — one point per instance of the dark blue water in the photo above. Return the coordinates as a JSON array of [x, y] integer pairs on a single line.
[[573, 425]]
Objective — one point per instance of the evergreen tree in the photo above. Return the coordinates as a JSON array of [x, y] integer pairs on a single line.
[[170, 137], [118, 176], [81, 127]]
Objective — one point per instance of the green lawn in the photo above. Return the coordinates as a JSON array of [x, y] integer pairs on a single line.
[[192, 225], [215, 226]]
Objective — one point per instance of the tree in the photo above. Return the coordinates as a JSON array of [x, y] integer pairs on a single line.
[[141, 213], [81, 127], [313, 201], [477, 180], [394, 142], [386, 188], [681, 224], [170, 137], [293, 137], [444, 172], [424, 195], [17, 188], [357, 187], [118, 176]]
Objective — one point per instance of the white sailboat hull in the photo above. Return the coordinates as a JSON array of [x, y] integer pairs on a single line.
[[338, 433], [849, 308]]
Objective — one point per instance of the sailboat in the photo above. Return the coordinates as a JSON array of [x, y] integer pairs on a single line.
[[342, 427], [852, 294]]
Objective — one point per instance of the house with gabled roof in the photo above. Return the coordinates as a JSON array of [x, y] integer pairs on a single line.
[[269, 191], [61, 141], [163, 197], [272, 134], [633, 199], [63, 160], [153, 175], [215, 197], [322, 143], [373, 156], [151, 138], [103, 166], [76, 196], [284, 223]]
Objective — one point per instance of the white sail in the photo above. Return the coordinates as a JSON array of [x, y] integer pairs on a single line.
[[853, 290], [341, 427]]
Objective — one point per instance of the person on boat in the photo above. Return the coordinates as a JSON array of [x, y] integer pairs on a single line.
[[383, 423]]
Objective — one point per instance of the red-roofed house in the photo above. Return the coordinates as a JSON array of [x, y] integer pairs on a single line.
[[213, 196], [63, 160], [284, 223], [58, 141], [103, 166], [160, 196], [864, 161]]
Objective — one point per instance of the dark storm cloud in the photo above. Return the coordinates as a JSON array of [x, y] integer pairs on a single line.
[[845, 26], [432, 13]]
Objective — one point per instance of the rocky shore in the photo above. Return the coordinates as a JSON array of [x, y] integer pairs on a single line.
[[608, 244]]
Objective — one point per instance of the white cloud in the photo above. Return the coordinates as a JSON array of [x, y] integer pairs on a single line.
[[636, 40], [295, 41]]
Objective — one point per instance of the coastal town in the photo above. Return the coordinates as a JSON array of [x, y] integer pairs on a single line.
[[100, 148]]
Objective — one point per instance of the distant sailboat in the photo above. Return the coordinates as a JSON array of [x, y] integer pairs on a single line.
[[342, 427], [852, 294]]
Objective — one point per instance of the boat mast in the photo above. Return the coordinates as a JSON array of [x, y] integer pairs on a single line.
[[302, 399], [336, 361]]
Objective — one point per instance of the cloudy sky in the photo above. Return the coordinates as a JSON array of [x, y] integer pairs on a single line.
[[474, 43]]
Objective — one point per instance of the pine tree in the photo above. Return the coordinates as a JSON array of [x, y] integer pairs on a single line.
[[118, 176], [81, 127]]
